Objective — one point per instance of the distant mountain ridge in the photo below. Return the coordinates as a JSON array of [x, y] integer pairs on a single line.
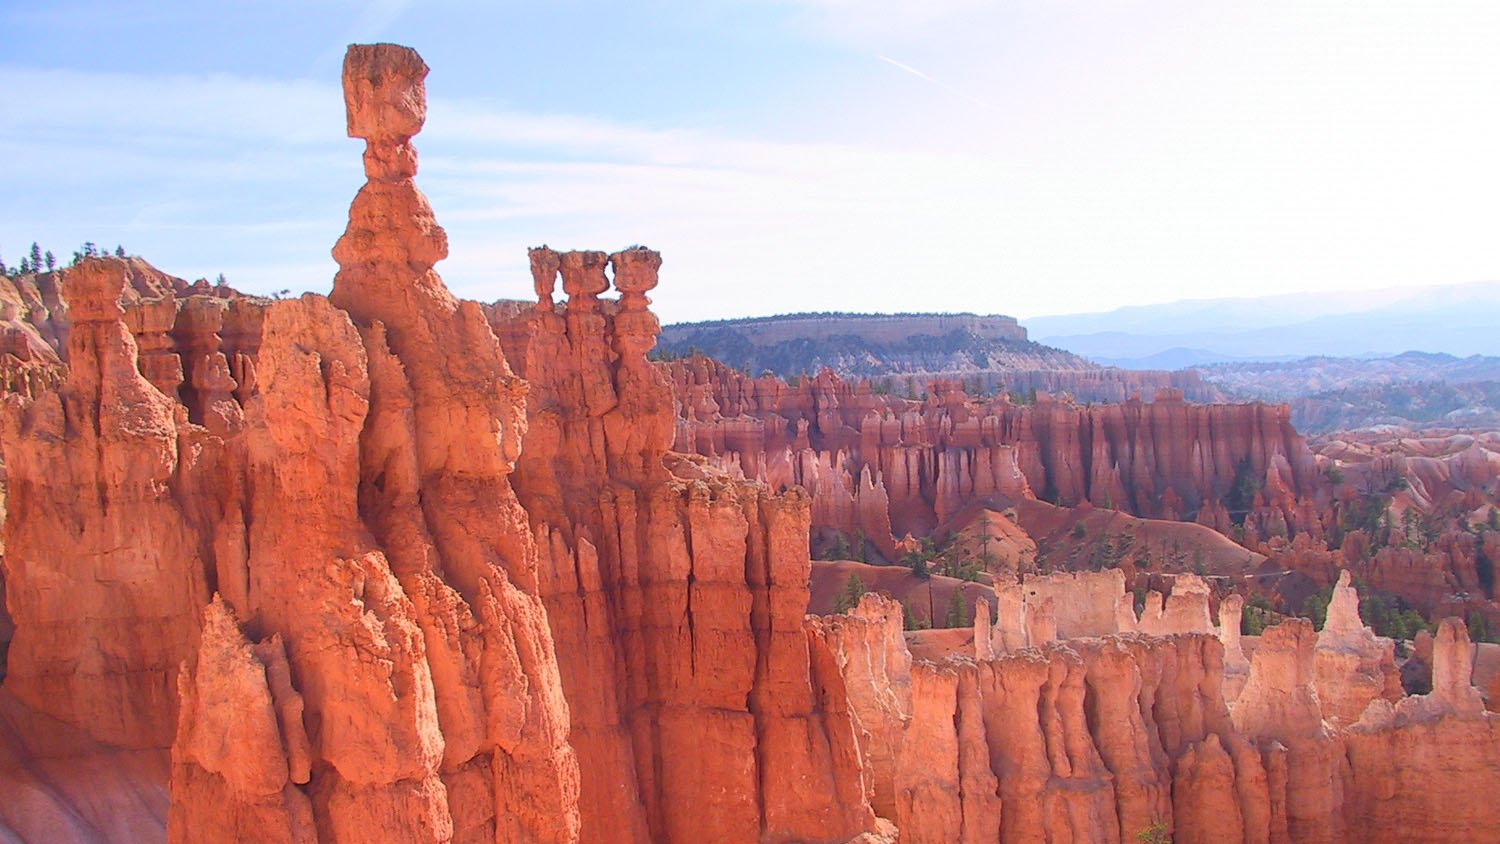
[[1413, 389], [1285, 380], [1455, 319]]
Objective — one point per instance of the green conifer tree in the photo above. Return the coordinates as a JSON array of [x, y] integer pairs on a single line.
[[958, 610], [849, 597]]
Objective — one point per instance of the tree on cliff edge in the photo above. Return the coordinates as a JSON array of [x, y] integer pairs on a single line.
[[848, 599]]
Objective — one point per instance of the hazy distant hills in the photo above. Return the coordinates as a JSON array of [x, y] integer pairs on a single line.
[[1340, 360], [1460, 320], [1413, 390], [1286, 380]]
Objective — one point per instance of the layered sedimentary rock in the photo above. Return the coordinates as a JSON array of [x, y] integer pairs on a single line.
[[1279, 709], [1164, 459], [104, 573], [1104, 739], [1094, 739], [397, 492], [377, 664], [1184, 609], [1407, 515], [378, 661], [675, 593], [1352, 666], [867, 646], [1417, 766]]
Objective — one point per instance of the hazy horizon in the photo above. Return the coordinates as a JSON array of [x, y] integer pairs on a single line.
[[1029, 159]]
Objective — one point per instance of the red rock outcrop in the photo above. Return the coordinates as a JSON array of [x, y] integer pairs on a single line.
[[867, 646], [675, 593], [1352, 666], [1404, 514], [1085, 740], [1416, 766], [1100, 739], [378, 665], [935, 455], [1279, 710], [105, 596]]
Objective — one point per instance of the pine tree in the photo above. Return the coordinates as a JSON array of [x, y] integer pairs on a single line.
[[848, 599], [119, 251], [36, 256], [958, 610], [25, 266], [51, 261], [918, 565]]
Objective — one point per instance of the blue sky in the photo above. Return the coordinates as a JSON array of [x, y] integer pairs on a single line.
[[1015, 157]]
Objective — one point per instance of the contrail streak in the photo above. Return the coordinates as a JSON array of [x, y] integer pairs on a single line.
[[926, 78]]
